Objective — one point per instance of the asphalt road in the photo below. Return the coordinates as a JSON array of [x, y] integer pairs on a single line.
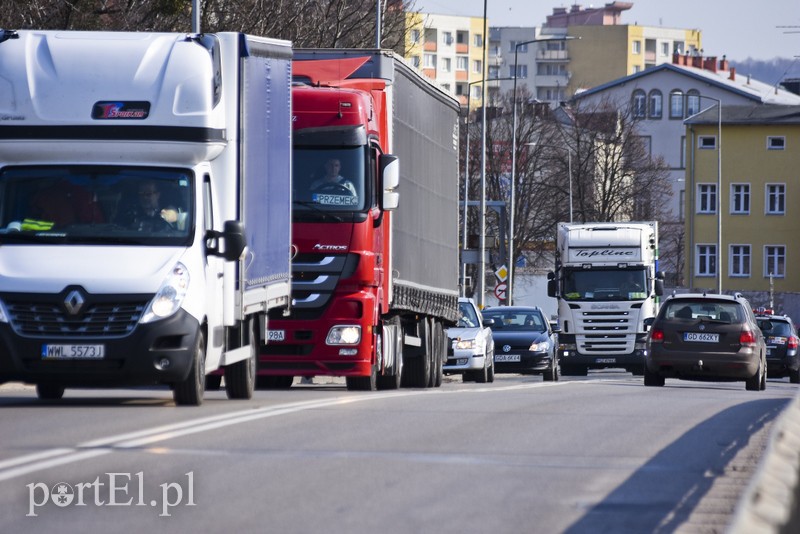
[[595, 454]]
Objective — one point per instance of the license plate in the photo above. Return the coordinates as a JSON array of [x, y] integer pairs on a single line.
[[506, 357], [701, 337], [276, 335], [777, 340], [605, 360], [73, 352]]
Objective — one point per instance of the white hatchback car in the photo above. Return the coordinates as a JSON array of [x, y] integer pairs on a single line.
[[470, 347]]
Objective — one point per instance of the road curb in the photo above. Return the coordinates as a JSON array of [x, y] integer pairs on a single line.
[[771, 501]]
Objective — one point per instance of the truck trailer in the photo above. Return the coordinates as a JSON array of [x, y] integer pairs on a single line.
[[144, 207], [607, 284], [375, 274]]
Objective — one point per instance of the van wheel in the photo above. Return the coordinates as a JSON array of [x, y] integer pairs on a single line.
[[240, 377], [652, 379], [49, 391], [794, 376], [190, 391]]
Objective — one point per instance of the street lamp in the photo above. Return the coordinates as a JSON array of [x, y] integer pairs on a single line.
[[510, 289], [718, 104], [466, 180]]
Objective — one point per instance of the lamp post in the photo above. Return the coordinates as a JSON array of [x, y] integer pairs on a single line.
[[466, 178], [510, 290], [482, 249], [718, 104]]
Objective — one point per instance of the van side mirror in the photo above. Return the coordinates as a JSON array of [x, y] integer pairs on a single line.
[[659, 287], [232, 238]]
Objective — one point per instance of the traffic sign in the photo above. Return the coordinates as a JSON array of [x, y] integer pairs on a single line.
[[502, 273], [500, 291]]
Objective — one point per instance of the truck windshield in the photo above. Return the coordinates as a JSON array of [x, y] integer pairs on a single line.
[[96, 205], [329, 179], [605, 284]]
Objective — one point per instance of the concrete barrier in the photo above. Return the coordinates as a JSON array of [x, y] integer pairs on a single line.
[[771, 502]]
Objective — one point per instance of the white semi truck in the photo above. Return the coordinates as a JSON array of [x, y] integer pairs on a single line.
[[98, 289], [607, 284]]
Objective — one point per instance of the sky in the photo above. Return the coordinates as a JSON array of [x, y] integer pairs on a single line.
[[757, 29]]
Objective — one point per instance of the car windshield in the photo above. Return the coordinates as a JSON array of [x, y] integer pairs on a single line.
[[528, 320], [605, 284], [729, 312], [329, 179], [468, 319], [65, 205]]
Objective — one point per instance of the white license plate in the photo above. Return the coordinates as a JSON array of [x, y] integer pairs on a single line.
[[701, 337], [73, 352], [276, 335], [506, 357], [605, 360]]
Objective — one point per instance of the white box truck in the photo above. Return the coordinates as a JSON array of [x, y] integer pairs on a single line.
[[607, 284], [145, 200]]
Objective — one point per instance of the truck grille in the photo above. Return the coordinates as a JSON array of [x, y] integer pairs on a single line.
[[98, 320], [605, 332], [315, 277]]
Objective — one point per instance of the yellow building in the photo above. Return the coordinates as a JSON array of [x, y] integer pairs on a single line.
[[605, 53], [449, 50], [752, 158]]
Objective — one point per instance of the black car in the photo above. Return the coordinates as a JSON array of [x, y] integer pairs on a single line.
[[524, 341], [783, 358], [705, 336]]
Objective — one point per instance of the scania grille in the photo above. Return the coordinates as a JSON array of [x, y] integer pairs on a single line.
[[606, 332], [51, 321]]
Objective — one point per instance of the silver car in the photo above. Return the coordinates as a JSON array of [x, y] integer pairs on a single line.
[[470, 347]]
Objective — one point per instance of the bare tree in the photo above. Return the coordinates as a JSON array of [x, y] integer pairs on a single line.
[[307, 23]]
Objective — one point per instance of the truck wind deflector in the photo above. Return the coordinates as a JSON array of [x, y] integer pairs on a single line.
[[331, 136]]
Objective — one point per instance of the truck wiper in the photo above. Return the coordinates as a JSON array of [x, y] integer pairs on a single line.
[[314, 207]]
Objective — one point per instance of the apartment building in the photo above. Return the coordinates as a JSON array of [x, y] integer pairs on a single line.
[[758, 243], [449, 50]]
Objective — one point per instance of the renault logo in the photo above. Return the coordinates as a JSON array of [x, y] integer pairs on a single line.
[[74, 302]]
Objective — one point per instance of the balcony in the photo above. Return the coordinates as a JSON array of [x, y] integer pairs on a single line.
[[552, 55]]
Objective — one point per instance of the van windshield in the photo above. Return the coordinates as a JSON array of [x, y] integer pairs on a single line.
[[96, 205]]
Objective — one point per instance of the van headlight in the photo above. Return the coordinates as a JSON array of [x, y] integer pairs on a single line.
[[344, 335], [170, 295]]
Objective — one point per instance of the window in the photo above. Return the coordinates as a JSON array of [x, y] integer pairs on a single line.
[[461, 63], [639, 104], [636, 47], [706, 260], [676, 104], [656, 101], [707, 142], [776, 143], [446, 64], [775, 261], [521, 49], [664, 49], [477, 40], [415, 61], [706, 198], [692, 102], [740, 198], [494, 71], [430, 61], [776, 199], [740, 260], [476, 92], [414, 36], [522, 71], [446, 87], [462, 37], [476, 65], [447, 38], [683, 151], [682, 205]]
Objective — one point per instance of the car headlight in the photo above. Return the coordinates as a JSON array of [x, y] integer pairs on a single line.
[[170, 295], [538, 347], [4, 318], [344, 335], [465, 344]]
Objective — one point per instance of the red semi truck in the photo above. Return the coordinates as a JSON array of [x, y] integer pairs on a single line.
[[375, 270]]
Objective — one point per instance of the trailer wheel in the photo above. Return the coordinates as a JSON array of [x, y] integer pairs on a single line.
[[240, 377], [418, 368], [190, 391], [47, 391], [441, 351]]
